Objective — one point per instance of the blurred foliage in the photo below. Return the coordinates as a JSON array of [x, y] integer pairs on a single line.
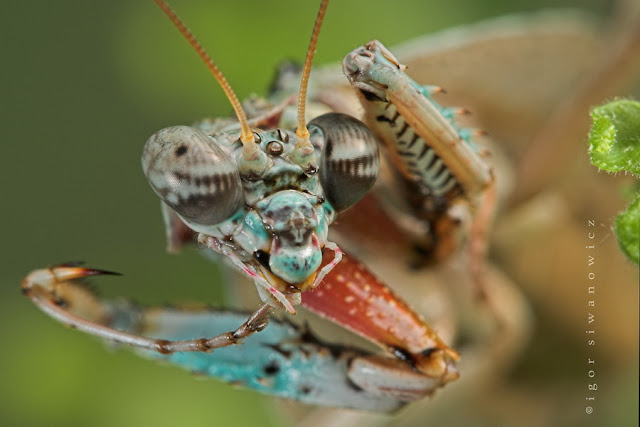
[[614, 146]]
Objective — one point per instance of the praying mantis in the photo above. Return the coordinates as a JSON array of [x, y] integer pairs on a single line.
[[346, 238]]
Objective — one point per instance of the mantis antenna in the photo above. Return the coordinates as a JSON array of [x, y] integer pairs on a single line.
[[303, 145], [246, 136]]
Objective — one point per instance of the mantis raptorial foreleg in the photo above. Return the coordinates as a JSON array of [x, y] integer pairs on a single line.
[[54, 291]]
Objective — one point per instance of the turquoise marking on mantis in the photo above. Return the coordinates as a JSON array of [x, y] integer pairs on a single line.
[[382, 74], [254, 230], [295, 251], [447, 112], [283, 360]]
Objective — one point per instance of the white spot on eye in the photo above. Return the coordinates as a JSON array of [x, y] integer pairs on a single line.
[[352, 312], [172, 180], [340, 278], [349, 299]]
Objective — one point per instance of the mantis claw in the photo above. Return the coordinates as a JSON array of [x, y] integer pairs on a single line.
[[48, 278]]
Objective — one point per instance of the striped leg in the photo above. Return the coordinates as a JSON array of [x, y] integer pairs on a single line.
[[443, 174]]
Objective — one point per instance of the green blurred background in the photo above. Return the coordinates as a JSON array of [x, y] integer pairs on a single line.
[[83, 84]]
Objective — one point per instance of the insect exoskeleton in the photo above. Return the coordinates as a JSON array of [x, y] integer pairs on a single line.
[[258, 198], [192, 175], [349, 164], [264, 199], [272, 215]]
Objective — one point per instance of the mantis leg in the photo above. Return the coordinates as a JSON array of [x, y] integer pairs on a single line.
[[74, 305], [284, 360], [447, 184]]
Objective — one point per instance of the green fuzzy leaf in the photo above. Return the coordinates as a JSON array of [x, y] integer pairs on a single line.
[[614, 140], [627, 229], [614, 146]]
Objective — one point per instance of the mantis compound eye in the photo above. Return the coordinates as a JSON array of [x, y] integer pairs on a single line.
[[350, 161], [192, 175]]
